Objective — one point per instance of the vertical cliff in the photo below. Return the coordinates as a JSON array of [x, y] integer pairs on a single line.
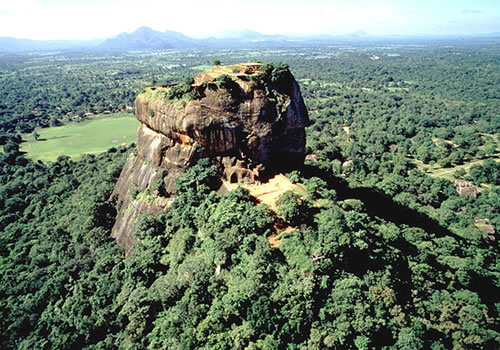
[[249, 119]]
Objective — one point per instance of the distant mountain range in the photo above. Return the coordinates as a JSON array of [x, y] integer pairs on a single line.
[[145, 38], [247, 35]]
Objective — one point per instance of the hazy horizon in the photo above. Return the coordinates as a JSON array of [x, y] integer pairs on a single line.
[[92, 19]]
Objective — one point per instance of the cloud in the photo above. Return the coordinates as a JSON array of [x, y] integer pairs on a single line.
[[471, 11]]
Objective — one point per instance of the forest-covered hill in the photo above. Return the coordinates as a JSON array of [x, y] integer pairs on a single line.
[[384, 254]]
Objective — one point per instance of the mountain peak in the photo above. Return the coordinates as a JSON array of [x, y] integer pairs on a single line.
[[359, 34], [147, 38], [145, 30]]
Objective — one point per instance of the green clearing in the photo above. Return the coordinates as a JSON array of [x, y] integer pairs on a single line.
[[322, 84], [393, 89], [447, 173], [96, 135], [436, 170], [202, 67]]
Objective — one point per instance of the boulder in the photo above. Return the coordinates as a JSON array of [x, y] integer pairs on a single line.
[[465, 188]]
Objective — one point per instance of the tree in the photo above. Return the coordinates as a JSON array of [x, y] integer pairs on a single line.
[[316, 188], [216, 63], [292, 208], [459, 173], [485, 173]]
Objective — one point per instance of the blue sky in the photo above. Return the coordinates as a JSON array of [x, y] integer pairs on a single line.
[[87, 19]]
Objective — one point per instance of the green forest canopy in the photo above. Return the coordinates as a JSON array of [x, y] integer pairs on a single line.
[[382, 256]]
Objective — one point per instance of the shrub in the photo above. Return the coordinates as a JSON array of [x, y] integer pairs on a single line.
[[224, 81], [181, 90], [134, 192], [274, 74]]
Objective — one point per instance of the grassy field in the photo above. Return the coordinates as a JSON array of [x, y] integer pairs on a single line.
[[202, 67], [96, 135]]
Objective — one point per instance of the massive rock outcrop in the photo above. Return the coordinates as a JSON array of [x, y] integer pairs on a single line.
[[247, 118]]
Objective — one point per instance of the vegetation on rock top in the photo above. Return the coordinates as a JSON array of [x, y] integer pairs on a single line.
[[223, 77]]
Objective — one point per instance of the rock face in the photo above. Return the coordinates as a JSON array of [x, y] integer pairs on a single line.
[[248, 119]]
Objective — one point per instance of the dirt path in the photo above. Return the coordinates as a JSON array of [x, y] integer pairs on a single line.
[[269, 192]]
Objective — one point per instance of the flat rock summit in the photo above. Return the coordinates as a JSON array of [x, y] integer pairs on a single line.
[[249, 119]]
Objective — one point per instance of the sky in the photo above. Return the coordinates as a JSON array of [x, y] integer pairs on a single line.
[[91, 19]]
